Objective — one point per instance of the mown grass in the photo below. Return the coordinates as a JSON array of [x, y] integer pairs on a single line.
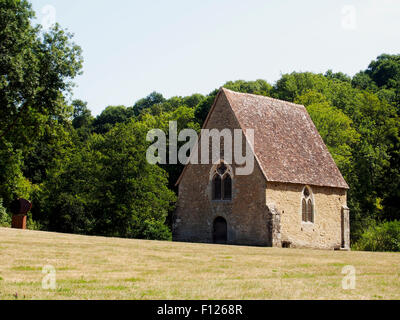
[[109, 268]]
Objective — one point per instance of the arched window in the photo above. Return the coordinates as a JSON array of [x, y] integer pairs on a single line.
[[307, 206], [222, 183], [304, 209], [227, 187], [217, 187], [310, 211]]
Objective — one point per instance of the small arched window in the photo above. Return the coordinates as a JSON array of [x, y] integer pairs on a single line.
[[227, 187], [304, 209], [217, 187], [307, 206], [310, 211], [222, 183]]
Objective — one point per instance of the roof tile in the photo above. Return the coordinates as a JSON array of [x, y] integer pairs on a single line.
[[286, 141]]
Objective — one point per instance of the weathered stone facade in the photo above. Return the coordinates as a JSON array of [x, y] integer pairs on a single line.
[[261, 212], [247, 215], [325, 232]]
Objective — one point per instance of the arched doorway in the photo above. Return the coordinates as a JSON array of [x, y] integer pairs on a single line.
[[220, 231]]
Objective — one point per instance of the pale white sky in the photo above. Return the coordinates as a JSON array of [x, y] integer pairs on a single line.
[[180, 47]]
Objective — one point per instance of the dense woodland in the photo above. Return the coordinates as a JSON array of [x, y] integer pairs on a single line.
[[89, 175]]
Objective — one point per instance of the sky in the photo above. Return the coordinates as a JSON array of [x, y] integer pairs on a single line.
[[132, 48]]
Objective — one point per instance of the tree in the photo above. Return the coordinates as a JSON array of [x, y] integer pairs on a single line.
[[36, 70], [146, 103], [383, 78], [82, 116], [338, 75], [13, 184], [204, 107], [110, 117], [385, 71], [363, 81], [335, 128], [108, 188], [193, 100], [260, 87]]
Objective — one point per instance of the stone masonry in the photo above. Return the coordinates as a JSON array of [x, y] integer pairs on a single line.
[[261, 212]]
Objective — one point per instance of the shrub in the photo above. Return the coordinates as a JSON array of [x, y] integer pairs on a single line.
[[381, 237], [5, 219], [32, 224], [156, 230]]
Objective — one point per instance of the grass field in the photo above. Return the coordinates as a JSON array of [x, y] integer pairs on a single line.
[[108, 268]]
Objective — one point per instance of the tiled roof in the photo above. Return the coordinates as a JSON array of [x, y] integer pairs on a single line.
[[286, 142]]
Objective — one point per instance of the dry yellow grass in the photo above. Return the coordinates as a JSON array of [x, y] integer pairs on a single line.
[[109, 268]]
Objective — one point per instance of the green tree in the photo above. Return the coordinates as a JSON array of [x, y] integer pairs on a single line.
[[13, 184], [385, 71], [36, 70], [146, 103], [108, 188], [82, 116], [260, 87], [193, 100], [382, 77], [335, 128], [5, 218], [204, 107], [110, 117], [363, 81], [338, 75]]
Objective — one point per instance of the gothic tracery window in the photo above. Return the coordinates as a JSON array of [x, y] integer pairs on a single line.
[[307, 206], [222, 183]]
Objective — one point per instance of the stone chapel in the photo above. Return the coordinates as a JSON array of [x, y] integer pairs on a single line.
[[295, 196]]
